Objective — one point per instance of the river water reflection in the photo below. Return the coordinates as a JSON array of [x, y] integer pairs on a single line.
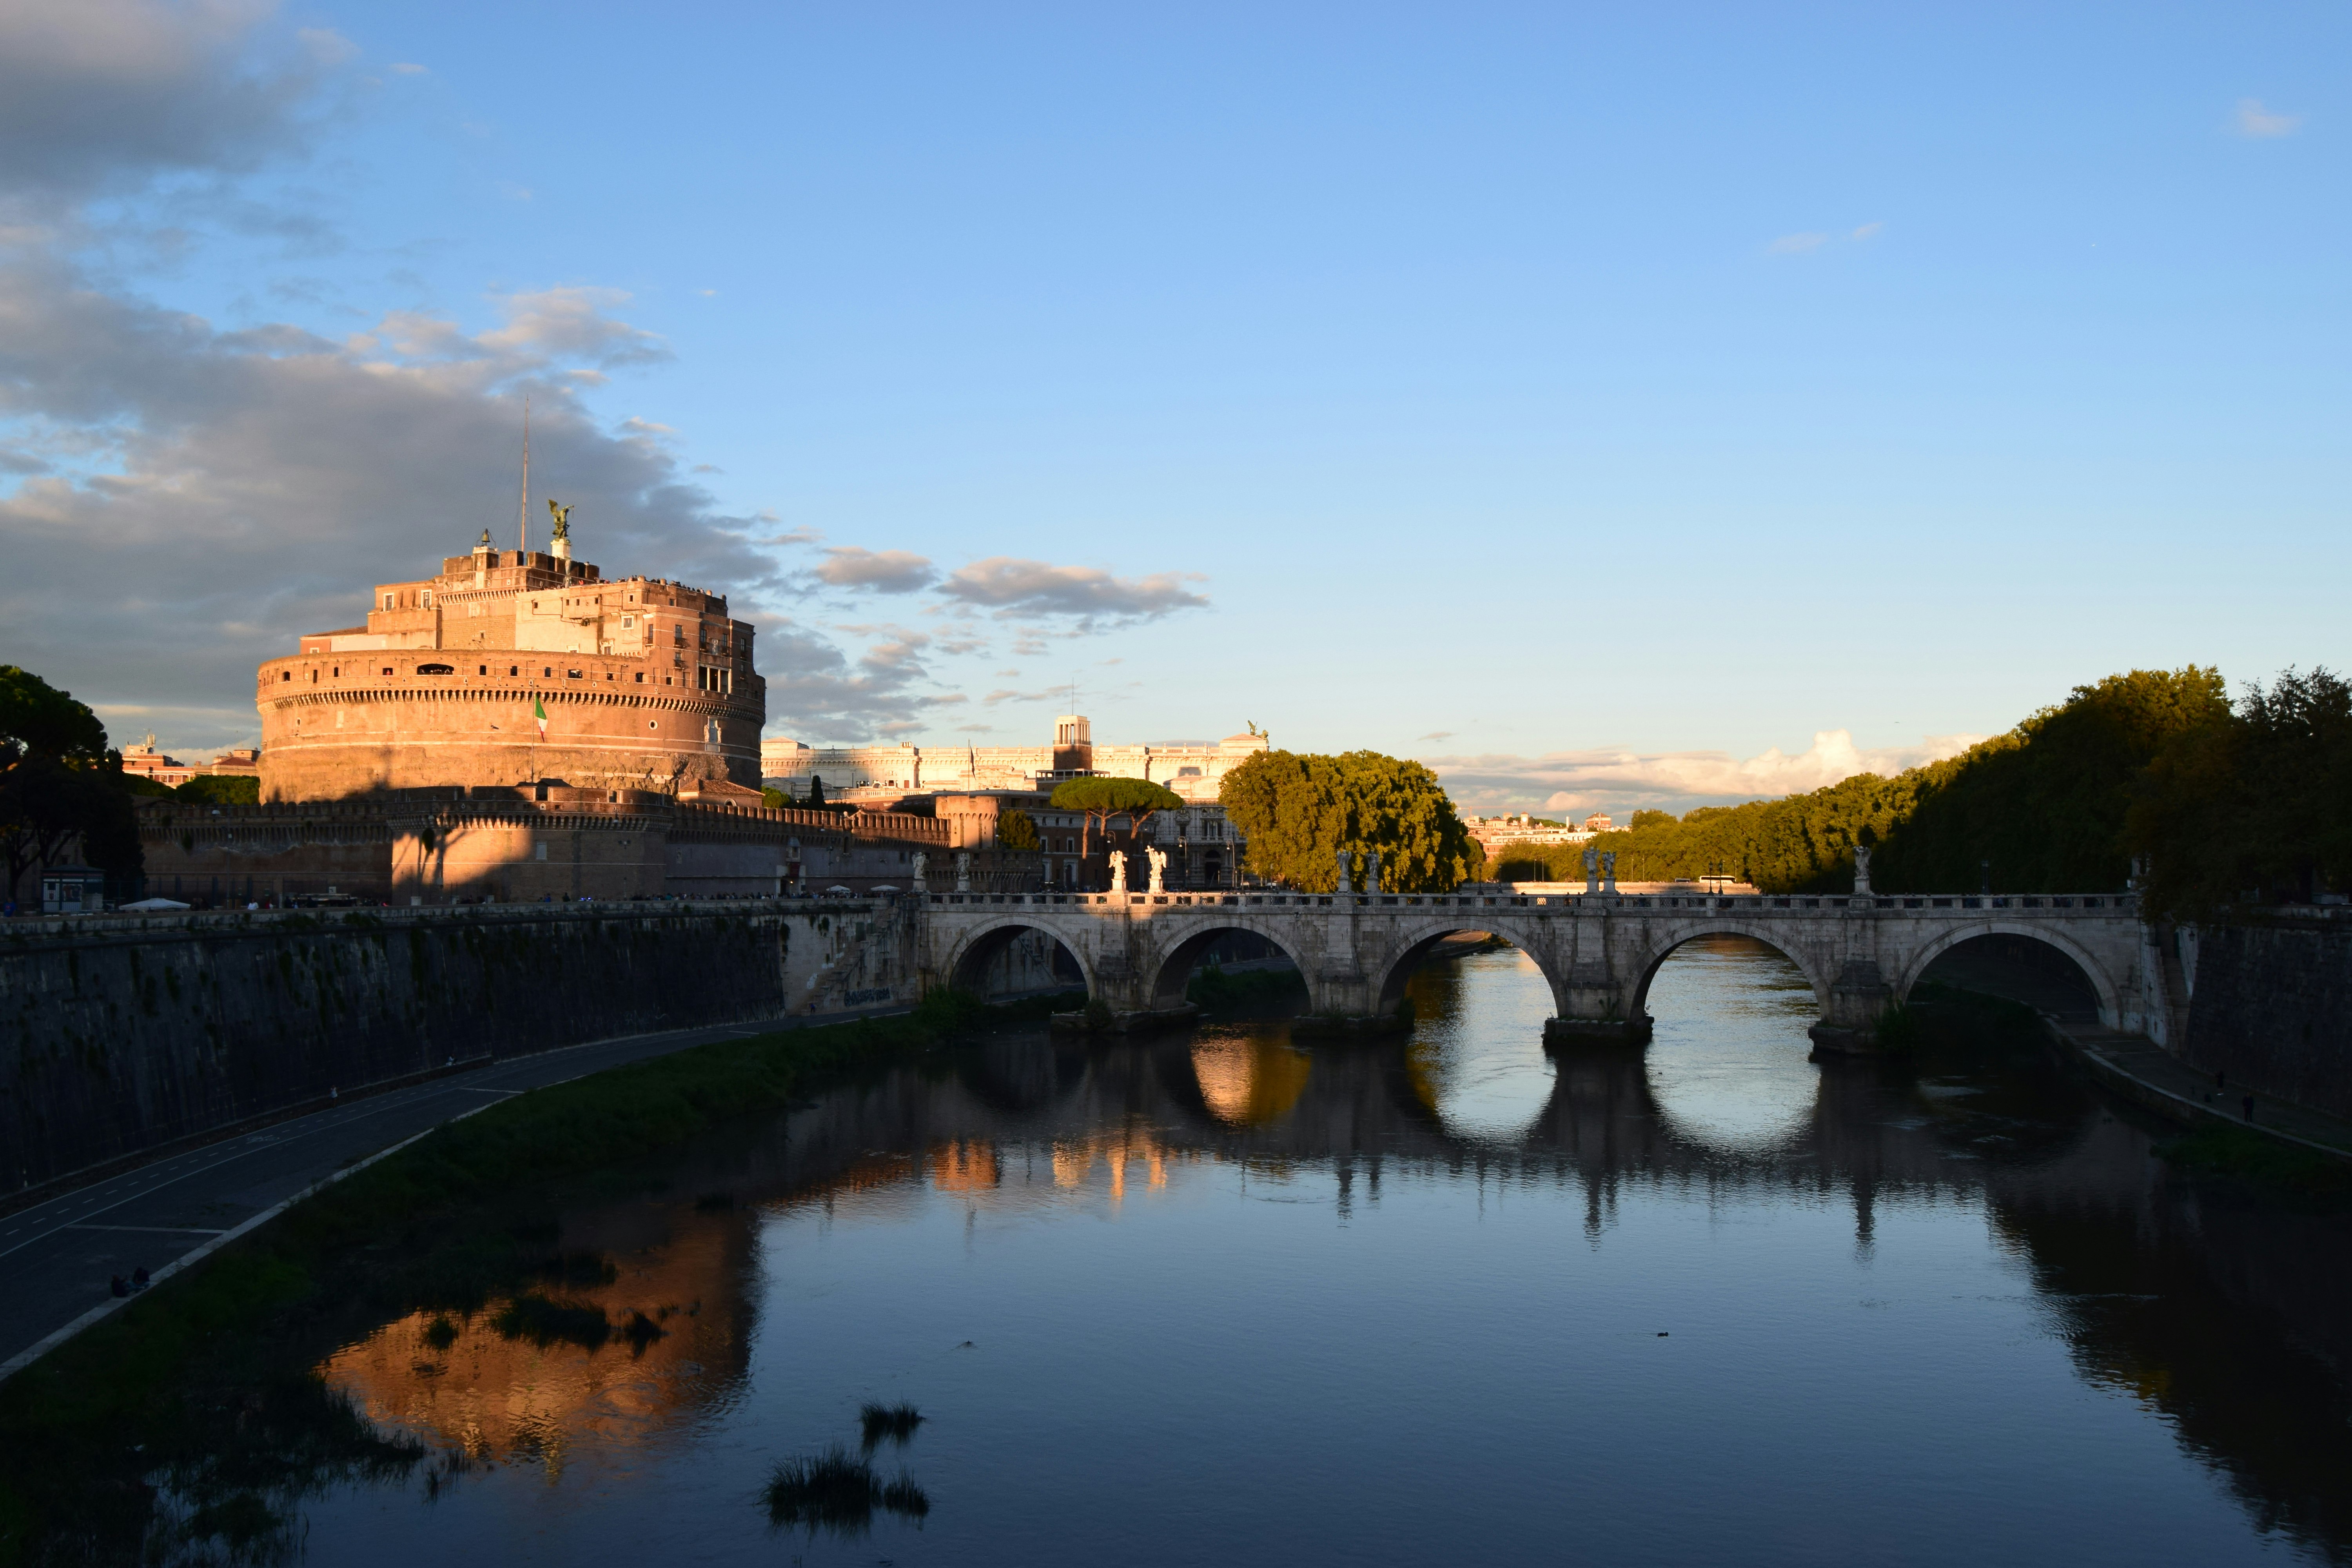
[[1221, 1298]]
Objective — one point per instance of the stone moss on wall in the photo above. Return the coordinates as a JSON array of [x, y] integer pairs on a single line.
[[119, 1041], [2273, 1008]]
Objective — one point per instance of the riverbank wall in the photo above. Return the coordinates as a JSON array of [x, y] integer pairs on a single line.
[[2270, 1006], [121, 1035]]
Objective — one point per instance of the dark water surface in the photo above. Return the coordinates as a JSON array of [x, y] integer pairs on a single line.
[[1220, 1298]]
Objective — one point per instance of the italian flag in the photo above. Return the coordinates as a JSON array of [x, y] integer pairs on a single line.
[[539, 712]]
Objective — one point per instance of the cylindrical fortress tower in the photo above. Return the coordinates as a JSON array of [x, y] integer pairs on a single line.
[[514, 666]]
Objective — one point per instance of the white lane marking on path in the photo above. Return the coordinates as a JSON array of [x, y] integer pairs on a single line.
[[175, 1229]]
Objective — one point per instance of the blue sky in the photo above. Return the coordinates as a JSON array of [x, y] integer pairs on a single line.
[[1601, 404]]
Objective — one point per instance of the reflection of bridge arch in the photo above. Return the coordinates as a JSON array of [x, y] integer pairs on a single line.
[[1166, 985], [2094, 972], [967, 962]]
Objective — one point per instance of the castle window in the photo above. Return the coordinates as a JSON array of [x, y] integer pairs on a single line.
[[486, 669], [437, 669], [387, 601], [548, 672], [285, 675], [514, 670], [641, 678], [387, 669]]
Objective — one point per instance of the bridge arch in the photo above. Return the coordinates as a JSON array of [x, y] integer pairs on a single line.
[[1388, 973], [1654, 958], [2103, 986], [1166, 986], [967, 964]]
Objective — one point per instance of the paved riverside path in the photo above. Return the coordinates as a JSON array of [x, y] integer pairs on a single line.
[[57, 1256], [2146, 1072]]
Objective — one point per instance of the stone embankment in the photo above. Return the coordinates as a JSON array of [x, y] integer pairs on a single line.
[[2270, 1006], [124, 1034]]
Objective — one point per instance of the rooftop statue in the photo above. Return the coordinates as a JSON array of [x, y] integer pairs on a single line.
[[562, 518]]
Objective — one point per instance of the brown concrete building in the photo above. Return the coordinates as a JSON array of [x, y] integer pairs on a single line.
[[510, 666]]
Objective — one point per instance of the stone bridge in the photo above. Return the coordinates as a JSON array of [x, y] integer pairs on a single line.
[[1598, 951]]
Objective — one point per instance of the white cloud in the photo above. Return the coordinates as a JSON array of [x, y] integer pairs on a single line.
[[2254, 120], [1621, 782], [1867, 231], [1087, 595], [879, 570], [403, 68], [1797, 244]]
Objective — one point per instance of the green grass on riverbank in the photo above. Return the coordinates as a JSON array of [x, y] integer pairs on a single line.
[[2311, 1178], [187, 1385]]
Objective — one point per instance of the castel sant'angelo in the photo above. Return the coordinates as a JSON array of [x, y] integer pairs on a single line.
[[519, 728], [514, 666]]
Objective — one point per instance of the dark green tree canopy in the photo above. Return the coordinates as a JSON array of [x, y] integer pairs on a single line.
[[2045, 804], [61, 789], [2252, 806], [1297, 811], [39, 720], [1114, 797], [1016, 831]]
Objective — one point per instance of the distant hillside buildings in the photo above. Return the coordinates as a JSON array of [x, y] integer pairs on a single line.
[[971, 787], [1496, 834]]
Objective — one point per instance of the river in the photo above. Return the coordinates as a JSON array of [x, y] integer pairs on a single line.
[[1222, 1298]]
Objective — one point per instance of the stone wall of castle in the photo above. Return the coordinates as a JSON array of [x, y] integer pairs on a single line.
[[530, 844]]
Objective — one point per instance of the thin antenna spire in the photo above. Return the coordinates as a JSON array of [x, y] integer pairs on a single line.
[[522, 504]]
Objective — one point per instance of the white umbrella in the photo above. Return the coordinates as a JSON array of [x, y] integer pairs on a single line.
[[837, 888], [150, 905]]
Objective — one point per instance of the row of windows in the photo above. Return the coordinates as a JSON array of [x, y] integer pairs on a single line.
[[546, 672]]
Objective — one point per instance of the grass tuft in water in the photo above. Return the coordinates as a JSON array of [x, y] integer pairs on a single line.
[[544, 1323], [890, 1422], [640, 1331], [837, 1490], [441, 1332], [905, 1499]]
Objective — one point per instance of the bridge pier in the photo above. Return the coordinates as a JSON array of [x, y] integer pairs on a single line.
[[1859, 998]]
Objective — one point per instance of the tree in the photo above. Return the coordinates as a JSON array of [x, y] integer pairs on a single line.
[[816, 793], [1104, 798], [2047, 803], [2257, 801], [60, 784], [222, 789], [1297, 811], [1016, 831], [39, 720]]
